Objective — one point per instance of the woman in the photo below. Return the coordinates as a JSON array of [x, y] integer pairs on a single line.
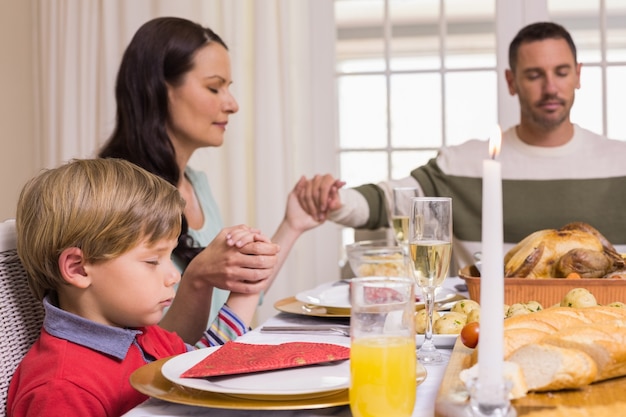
[[173, 97]]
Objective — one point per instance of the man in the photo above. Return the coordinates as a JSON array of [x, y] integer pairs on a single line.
[[554, 172]]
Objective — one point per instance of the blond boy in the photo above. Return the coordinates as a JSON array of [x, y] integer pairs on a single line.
[[96, 238]]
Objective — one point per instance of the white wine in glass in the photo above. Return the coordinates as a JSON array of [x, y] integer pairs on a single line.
[[400, 226], [430, 248], [431, 261], [400, 211]]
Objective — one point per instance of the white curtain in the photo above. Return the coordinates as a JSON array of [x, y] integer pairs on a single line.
[[281, 53]]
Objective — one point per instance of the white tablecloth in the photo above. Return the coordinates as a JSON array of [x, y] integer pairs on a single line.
[[424, 404]]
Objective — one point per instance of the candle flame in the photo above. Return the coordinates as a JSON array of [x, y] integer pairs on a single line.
[[495, 141]]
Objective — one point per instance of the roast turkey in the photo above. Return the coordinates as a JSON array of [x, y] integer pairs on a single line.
[[575, 248]]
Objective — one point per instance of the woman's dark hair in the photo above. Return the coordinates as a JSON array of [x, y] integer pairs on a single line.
[[539, 32], [160, 53]]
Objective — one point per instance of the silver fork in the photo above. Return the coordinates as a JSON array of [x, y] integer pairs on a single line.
[[341, 330]]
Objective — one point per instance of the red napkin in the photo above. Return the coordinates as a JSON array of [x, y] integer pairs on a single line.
[[239, 358]]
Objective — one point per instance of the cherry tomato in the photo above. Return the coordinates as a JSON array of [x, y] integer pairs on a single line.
[[469, 334]]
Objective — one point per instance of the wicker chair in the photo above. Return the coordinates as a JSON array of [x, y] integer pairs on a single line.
[[21, 314]]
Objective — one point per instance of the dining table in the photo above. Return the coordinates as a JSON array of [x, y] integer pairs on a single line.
[[426, 393]]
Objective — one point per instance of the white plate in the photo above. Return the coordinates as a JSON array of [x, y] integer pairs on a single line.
[[440, 340], [332, 294], [303, 380], [336, 295]]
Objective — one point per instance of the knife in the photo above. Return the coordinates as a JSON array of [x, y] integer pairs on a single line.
[[337, 329]]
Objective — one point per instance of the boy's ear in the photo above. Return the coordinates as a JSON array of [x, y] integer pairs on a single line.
[[72, 266]]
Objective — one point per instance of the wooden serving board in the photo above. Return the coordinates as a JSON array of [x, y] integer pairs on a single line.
[[452, 397]]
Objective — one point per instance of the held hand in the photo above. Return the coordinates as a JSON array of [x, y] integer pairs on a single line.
[[239, 259], [243, 235], [296, 217], [319, 195]]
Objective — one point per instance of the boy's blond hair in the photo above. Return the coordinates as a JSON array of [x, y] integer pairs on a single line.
[[104, 207]]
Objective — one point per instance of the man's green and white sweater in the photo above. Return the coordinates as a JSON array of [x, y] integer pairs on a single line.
[[543, 188]]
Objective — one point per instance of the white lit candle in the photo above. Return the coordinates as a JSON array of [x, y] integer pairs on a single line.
[[491, 347]]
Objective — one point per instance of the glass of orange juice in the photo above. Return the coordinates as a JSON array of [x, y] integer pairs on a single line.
[[382, 347]]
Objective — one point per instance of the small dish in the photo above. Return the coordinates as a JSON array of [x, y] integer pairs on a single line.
[[440, 340]]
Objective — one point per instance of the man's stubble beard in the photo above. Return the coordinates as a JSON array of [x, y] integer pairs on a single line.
[[547, 123]]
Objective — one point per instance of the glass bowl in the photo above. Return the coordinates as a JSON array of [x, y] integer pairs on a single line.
[[381, 258]]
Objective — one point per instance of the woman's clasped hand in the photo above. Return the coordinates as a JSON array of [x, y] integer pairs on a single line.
[[240, 259]]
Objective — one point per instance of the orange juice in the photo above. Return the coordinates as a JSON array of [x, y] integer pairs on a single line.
[[382, 377]]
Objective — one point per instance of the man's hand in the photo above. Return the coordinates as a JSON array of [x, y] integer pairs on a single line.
[[319, 195]]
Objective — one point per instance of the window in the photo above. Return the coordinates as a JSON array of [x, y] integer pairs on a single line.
[[412, 76], [408, 73], [600, 36]]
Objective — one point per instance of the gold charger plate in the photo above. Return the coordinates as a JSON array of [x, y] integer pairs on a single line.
[[294, 306], [150, 381]]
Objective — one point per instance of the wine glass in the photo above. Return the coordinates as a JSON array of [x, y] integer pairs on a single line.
[[430, 248], [399, 213]]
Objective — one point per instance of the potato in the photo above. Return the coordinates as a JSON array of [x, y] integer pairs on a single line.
[[617, 304], [534, 306], [473, 315], [451, 323], [518, 309], [464, 306], [579, 297], [420, 320]]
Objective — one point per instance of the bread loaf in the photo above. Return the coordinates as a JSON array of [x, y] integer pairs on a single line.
[[563, 347], [516, 337], [512, 372], [604, 342], [531, 328], [549, 368]]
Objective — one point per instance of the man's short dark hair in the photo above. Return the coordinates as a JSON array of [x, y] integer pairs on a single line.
[[538, 32]]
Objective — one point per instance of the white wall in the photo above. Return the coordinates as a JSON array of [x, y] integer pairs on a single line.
[[18, 154]]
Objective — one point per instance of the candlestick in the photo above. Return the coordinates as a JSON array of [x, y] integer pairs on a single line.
[[490, 349]]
